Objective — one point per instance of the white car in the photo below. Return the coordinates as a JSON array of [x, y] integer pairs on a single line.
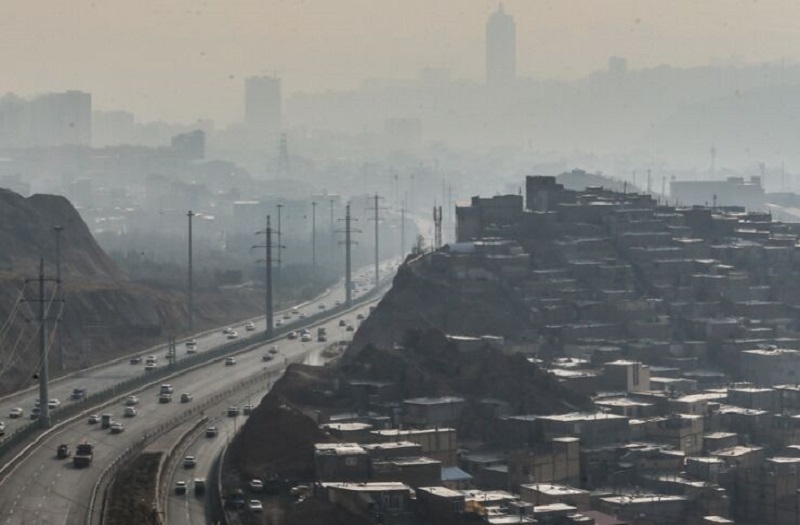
[[190, 343], [250, 327], [53, 404], [228, 330], [306, 338], [255, 506], [94, 419], [233, 335], [129, 412], [117, 428], [131, 400], [230, 361], [256, 485], [16, 413]]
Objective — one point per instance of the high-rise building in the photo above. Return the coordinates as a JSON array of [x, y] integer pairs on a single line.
[[501, 48], [263, 110]]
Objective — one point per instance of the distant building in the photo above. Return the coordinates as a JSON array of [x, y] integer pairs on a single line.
[[263, 110], [191, 145], [733, 191], [57, 119], [501, 48]]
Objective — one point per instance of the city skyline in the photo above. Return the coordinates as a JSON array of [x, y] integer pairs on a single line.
[[168, 62]]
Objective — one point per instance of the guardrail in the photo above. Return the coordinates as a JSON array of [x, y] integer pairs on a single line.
[[84, 406], [167, 457]]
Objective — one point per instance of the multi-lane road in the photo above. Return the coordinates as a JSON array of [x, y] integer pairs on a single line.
[[42, 489], [190, 509]]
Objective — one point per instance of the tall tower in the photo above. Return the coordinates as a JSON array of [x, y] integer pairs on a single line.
[[501, 48], [263, 110]]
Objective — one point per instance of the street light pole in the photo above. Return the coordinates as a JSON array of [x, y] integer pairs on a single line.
[[60, 290], [190, 295]]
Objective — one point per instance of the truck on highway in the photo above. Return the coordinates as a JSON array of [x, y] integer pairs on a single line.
[[199, 486], [106, 420], [84, 454]]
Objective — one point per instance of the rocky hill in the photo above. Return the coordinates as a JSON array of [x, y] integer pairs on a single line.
[[105, 314]]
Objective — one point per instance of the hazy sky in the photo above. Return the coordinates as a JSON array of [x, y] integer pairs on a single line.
[[184, 59]]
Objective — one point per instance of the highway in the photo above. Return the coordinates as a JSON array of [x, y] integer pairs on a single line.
[[190, 509], [43, 489], [105, 376]]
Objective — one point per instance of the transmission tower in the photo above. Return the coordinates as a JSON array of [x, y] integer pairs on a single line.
[[348, 242], [44, 369], [268, 299], [376, 218]]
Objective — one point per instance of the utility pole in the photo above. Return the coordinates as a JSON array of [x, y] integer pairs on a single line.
[[313, 242], [403, 232], [377, 219], [60, 295], [280, 232], [333, 232], [190, 295], [268, 307], [437, 227], [348, 278], [44, 371]]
